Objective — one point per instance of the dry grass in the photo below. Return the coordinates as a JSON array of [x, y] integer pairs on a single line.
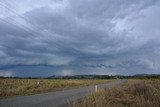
[[12, 87], [135, 93]]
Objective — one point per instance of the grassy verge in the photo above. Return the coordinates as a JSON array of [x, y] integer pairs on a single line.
[[13, 87], [134, 93]]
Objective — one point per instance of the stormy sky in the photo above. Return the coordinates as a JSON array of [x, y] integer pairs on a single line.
[[69, 37]]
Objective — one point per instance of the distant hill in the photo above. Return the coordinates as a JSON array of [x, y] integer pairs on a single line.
[[106, 76], [137, 76]]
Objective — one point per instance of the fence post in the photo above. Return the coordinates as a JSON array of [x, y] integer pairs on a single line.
[[95, 88], [37, 82]]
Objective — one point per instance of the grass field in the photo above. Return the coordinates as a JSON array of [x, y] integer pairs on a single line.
[[13, 87], [134, 93]]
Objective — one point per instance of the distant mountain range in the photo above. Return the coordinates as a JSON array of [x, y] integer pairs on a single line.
[[148, 76], [105, 76]]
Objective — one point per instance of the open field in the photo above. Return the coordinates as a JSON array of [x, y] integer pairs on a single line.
[[134, 93], [56, 98], [13, 87]]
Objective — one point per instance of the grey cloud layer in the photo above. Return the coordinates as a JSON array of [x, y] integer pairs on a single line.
[[116, 35]]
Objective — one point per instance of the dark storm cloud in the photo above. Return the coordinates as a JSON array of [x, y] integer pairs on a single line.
[[102, 36]]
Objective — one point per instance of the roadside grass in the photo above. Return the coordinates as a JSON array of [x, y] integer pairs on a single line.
[[134, 93], [14, 87]]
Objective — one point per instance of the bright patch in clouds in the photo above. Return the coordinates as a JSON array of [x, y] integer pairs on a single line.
[[6, 73], [66, 73]]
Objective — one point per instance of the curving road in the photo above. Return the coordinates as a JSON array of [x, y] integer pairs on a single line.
[[55, 99]]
